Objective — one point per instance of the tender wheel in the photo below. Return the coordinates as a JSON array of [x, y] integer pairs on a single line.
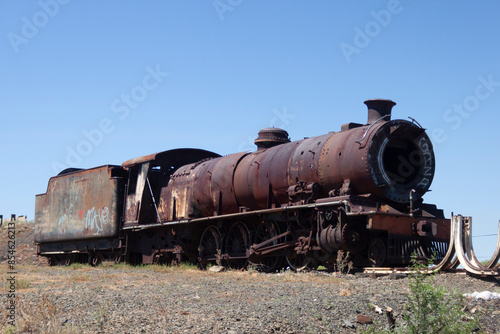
[[377, 252], [52, 260], [69, 259], [117, 257], [96, 259], [266, 231], [237, 244], [209, 250]]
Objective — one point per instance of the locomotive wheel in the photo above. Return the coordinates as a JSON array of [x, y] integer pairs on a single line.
[[237, 244], [301, 262], [329, 261], [377, 252], [298, 262], [265, 231], [353, 238], [330, 264], [210, 247]]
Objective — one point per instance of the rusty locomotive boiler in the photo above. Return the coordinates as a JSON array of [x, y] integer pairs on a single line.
[[293, 204]]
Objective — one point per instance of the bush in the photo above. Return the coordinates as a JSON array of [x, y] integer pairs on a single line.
[[431, 309]]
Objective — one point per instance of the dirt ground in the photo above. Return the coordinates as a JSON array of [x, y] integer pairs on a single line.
[[23, 237], [158, 299]]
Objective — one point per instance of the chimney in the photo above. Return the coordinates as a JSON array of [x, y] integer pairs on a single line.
[[378, 108]]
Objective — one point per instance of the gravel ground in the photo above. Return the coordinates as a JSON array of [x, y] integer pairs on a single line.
[[124, 299], [157, 299]]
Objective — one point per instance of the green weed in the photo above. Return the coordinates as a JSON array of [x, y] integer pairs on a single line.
[[430, 308]]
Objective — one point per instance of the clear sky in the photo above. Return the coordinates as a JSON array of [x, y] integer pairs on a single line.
[[88, 83]]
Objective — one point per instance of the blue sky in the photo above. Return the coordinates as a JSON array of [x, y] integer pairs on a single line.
[[87, 83]]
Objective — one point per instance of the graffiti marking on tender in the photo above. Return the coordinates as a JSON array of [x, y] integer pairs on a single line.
[[96, 219], [63, 220]]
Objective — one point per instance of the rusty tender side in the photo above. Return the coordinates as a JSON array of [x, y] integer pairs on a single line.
[[293, 204]]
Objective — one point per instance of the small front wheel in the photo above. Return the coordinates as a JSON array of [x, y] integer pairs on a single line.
[[377, 253]]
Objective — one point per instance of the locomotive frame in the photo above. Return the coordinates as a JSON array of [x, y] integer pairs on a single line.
[[293, 204]]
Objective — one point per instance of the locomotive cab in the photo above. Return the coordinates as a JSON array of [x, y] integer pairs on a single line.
[[147, 176]]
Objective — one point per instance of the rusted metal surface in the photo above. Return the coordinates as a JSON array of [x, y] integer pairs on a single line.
[[303, 169], [176, 199], [261, 178], [357, 191], [222, 192], [85, 204], [379, 109], [201, 189], [175, 158], [148, 176], [393, 158], [411, 226], [270, 137], [136, 190]]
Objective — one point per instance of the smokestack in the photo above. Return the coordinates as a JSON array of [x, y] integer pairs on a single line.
[[378, 108]]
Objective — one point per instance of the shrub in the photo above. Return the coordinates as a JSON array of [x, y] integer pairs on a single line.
[[343, 263], [430, 308]]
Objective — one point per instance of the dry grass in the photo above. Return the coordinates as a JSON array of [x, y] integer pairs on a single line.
[[31, 275], [45, 316], [20, 284], [345, 293], [81, 277], [42, 316]]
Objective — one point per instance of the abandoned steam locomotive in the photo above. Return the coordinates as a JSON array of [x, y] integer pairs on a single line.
[[293, 204]]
